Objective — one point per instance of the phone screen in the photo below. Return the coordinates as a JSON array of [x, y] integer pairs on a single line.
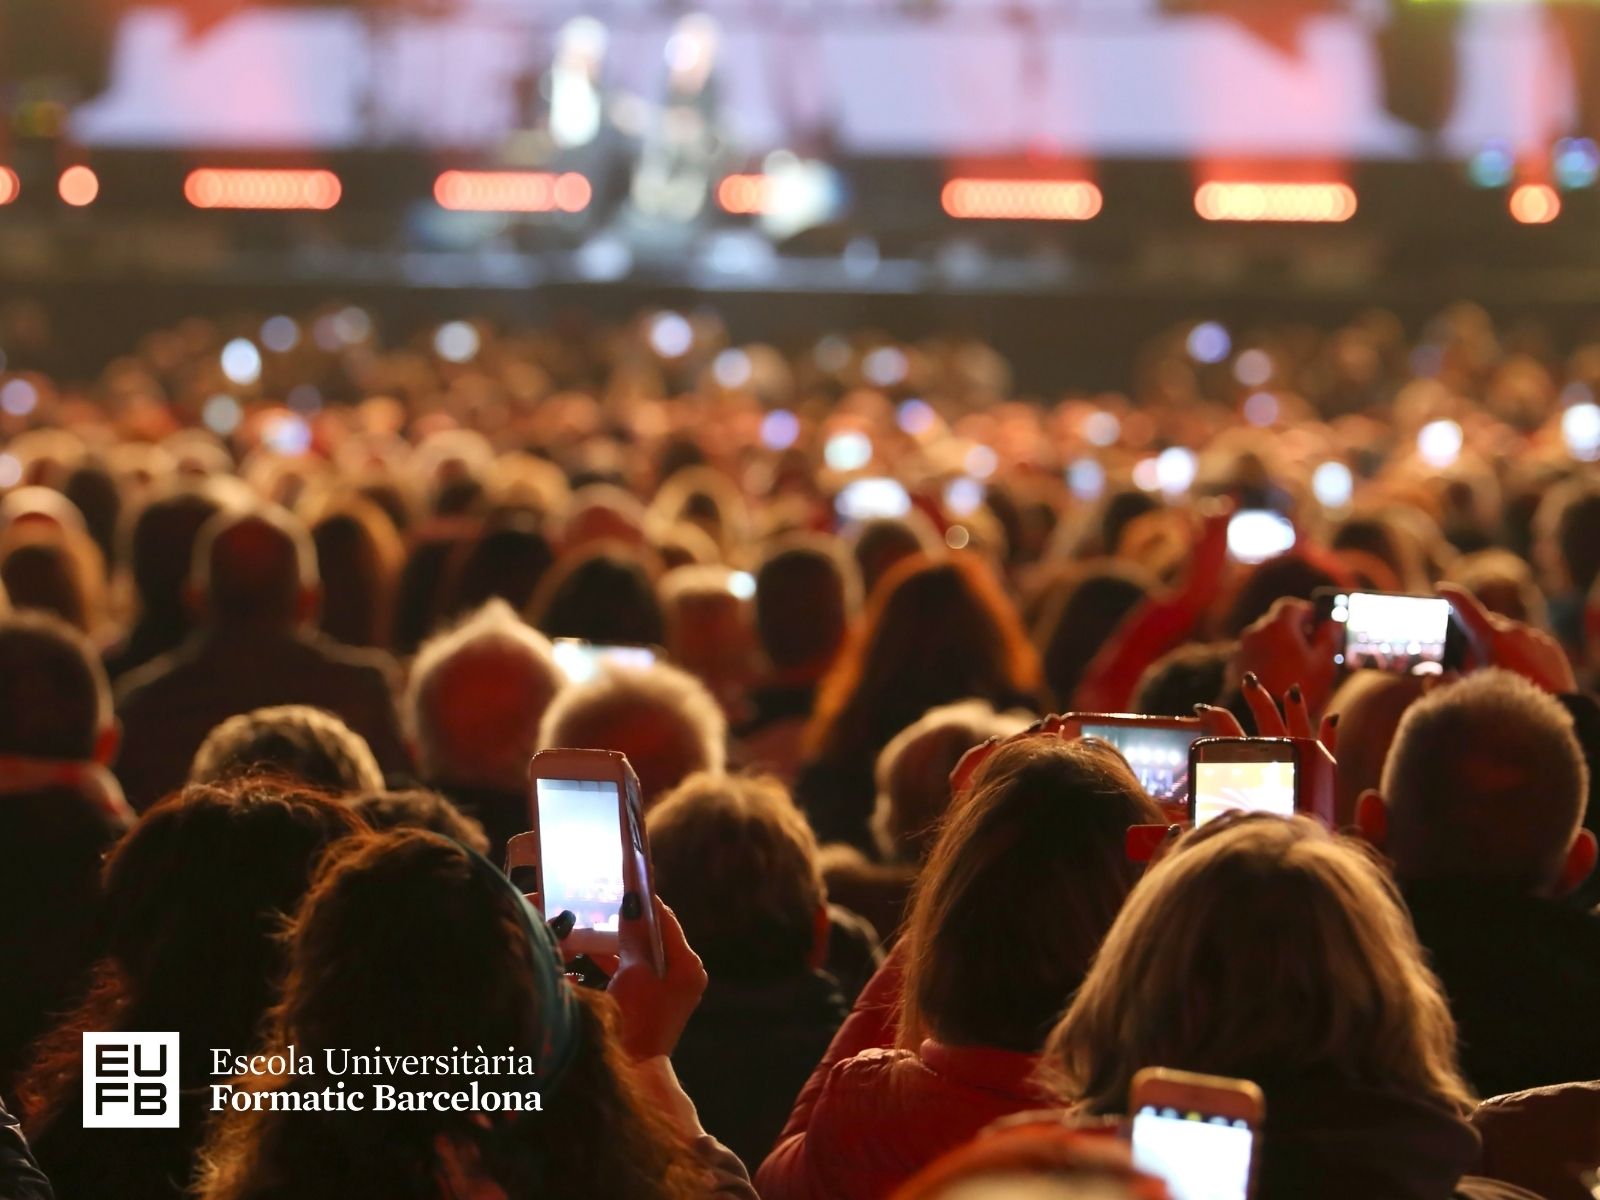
[[581, 661], [1221, 787], [580, 843], [866, 499], [1406, 634], [1257, 534], [1159, 757], [1201, 1157]]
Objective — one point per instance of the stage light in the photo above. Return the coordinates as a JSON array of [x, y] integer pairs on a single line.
[[1295, 202], [1576, 162], [1175, 470], [744, 195], [512, 191], [10, 185], [847, 451], [78, 186], [1535, 204], [1021, 199], [225, 187], [671, 335]]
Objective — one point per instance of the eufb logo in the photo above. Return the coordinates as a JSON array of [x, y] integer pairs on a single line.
[[130, 1081]]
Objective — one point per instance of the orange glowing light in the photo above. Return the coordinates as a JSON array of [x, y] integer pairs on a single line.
[[10, 185], [512, 191], [78, 186], [1301, 202], [1535, 204], [744, 195], [1021, 199], [222, 187]]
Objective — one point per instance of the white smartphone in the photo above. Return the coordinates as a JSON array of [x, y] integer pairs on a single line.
[[587, 850], [1199, 1133]]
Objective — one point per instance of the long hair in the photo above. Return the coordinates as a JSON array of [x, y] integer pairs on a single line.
[[934, 633], [195, 897], [403, 944], [1022, 885], [1267, 950]]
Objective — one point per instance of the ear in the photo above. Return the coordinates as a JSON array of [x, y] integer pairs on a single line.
[[107, 742], [1580, 863], [821, 927], [1372, 818], [308, 604]]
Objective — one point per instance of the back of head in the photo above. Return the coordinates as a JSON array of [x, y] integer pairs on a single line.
[[1293, 574], [506, 563], [52, 569], [1262, 949], [476, 696], [1084, 615], [1194, 674], [803, 604], [913, 774], [603, 595], [54, 697], [738, 863], [419, 808], [254, 568], [358, 558], [1577, 536], [160, 549], [306, 744], [883, 542], [1485, 779], [663, 719], [1038, 1157], [1033, 859]]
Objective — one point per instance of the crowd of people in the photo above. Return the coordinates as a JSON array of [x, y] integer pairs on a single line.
[[288, 608]]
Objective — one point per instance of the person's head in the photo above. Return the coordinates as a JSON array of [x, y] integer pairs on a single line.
[[1034, 859], [1083, 614], [506, 562], [1568, 527], [55, 569], [1035, 1157], [804, 598], [1368, 706], [603, 594], [358, 559], [1301, 573], [306, 744], [935, 632], [1177, 681], [254, 570], [55, 701], [1485, 780], [913, 774], [418, 808], [883, 542], [476, 695], [194, 899], [708, 624], [1263, 949], [737, 862], [1504, 583], [413, 914], [159, 547], [662, 718]]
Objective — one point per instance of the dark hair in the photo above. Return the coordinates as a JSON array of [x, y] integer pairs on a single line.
[[306, 744], [1577, 536], [39, 570], [419, 808], [93, 488], [54, 698], [601, 595], [507, 562], [409, 914], [194, 900], [884, 542], [252, 566], [1080, 617], [1292, 574], [358, 557], [1034, 861], [160, 550], [802, 604], [1177, 681]]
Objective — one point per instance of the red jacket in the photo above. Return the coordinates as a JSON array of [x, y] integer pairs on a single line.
[[883, 1115]]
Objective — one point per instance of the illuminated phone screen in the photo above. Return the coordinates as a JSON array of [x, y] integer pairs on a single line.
[[1406, 634], [1159, 757], [1201, 1157], [1221, 787], [581, 661], [1257, 534], [580, 843]]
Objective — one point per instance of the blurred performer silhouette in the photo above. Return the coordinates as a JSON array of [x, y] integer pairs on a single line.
[[686, 144]]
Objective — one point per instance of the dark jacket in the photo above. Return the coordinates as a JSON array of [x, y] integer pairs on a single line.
[[169, 706], [1523, 978], [1544, 1140], [20, 1177], [748, 1049], [503, 814], [52, 840]]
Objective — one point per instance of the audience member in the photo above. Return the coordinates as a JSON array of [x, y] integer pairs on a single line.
[[419, 808], [304, 744]]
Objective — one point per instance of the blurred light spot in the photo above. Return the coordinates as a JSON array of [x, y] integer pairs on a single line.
[[1535, 204], [1439, 443], [78, 186], [885, 366], [1147, 474], [1209, 342], [779, 429], [732, 368], [963, 496], [19, 397], [1580, 429], [1492, 166], [221, 415], [1102, 429], [305, 399], [848, 451], [288, 435], [671, 335], [742, 584], [957, 537], [241, 362], [456, 341], [832, 354], [1261, 408], [10, 470], [1333, 484], [1087, 479], [280, 334], [982, 462], [1175, 470], [1253, 368], [915, 417]]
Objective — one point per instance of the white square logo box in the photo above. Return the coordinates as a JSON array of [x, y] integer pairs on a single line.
[[130, 1081]]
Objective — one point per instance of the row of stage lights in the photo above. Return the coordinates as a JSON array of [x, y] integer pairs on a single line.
[[964, 198]]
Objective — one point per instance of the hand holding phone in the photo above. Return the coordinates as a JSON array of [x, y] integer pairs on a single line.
[[656, 1004], [1386, 631], [1156, 748], [1199, 1133]]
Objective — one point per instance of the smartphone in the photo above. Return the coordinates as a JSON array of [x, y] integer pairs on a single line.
[[1199, 1133], [868, 499], [586, 853], [1383, 631], [1157, 748], [581, 661], [1257, 534], [1243, 775]]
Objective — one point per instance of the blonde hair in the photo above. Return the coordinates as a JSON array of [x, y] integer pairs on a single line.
[[1261, 949]]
